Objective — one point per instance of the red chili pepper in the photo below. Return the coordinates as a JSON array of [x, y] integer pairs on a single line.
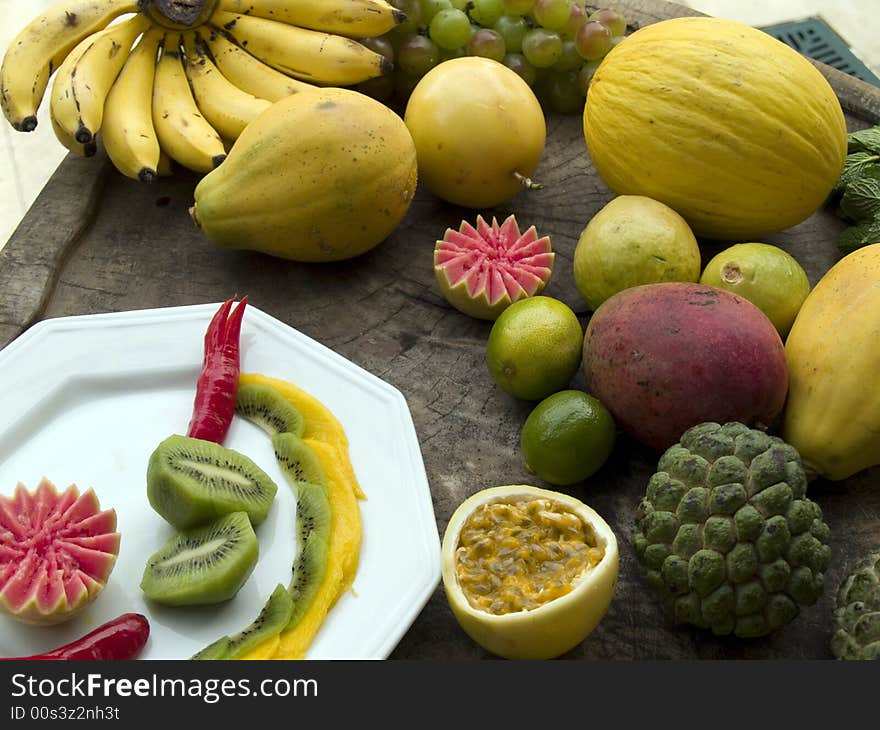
[[218, 382], [121, 638]]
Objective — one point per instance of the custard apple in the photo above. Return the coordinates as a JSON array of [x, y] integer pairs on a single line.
[[727, 535], [857, 613]]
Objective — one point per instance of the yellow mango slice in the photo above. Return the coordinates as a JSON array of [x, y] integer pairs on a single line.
[[321, 424]]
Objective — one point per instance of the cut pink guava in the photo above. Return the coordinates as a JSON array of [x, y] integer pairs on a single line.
[[481, 271], [56, 552]]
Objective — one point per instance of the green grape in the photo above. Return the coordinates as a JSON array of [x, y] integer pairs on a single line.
[[417, 55], [450, 28], [512, 28], [380, 44], [517, 62], [430, 8], [486, 12], [577, 17], [612, 18], [448, 53], [569, 59], [517, 7], [552, 14], [593, 40], [563, 93], [541, 47], [585, 75], [486, 43], [460, 4], [413, 11]]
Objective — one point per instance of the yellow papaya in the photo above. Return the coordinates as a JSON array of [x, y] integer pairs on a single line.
[[832, 416], [322, 175]]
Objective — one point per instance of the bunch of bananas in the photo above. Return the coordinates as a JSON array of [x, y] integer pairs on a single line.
[[165, 80]]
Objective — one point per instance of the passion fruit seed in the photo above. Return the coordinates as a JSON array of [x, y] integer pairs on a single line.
[[483, 270], [518, 555]]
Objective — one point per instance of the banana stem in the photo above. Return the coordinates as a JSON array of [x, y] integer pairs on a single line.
[[179, 14], [527, 182]]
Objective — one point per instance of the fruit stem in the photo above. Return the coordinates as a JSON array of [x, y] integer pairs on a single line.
[[527, 182], [178, 14]]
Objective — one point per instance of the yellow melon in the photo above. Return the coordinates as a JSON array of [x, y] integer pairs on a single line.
[[734, 130]]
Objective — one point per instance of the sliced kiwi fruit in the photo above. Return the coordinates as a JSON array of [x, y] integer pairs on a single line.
[[191, 482], [268, 409], [203, 565], [297, 460], [314, 520], [270, 621], [215, 650]]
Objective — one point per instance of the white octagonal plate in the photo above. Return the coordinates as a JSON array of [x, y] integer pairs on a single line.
[[87, 399]]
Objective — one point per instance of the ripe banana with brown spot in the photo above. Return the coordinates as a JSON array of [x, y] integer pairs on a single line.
[[309, 55], [226, 107], [127, 128], [78, 148], [42, 46], [184, 133], [354, 18], [248, 72], [83, 80]]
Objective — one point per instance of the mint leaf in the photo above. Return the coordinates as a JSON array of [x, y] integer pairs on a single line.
[[861, 199], [866, 140], [857, 236], [858, 164]]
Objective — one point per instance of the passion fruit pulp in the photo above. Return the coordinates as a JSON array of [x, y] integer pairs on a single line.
[[528, 572]]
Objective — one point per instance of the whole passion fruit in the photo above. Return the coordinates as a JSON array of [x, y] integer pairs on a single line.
[[478, 129], [528, 572]]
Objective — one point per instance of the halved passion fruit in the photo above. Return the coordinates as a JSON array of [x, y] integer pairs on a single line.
[[528, 572]]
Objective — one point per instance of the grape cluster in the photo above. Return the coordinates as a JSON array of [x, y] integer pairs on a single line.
[[554, 45]]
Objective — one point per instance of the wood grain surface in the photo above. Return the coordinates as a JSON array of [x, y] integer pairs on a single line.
[[97, 242]]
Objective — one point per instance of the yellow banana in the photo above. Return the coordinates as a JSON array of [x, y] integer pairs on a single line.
[[249, 73], [127, 128], [83, 150], [83, 80], [320, 58], [184, 134], [42, 46], [354, 18], [226, 107]]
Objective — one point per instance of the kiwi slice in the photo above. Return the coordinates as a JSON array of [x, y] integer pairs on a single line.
[[268, 409], [297, 460], [191, 482], [314, 520], [270, 621], [203, 565]]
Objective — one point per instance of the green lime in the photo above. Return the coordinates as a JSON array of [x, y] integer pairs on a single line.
[[633, 240], [534, 347], [767, 276], [567, 437]]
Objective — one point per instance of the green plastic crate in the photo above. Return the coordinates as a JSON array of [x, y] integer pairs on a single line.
[[814, 38]]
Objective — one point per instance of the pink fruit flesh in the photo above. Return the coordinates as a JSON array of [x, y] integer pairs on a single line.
[[56, 552], [483, 270]]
